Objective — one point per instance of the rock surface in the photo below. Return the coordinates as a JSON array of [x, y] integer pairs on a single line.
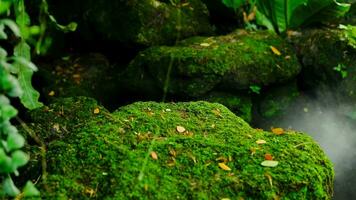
[[199, 65], [329, 59], [138, 22], [148, 150]]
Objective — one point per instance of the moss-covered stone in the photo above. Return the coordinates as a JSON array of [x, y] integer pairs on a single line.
[[274, 102], [198, 65], [329, 58], [144, 22], [88, 75], [137, 152], [240, 104]]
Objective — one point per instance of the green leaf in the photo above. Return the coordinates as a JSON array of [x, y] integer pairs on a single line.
[[30, 96], [15, 141], [12, 26], [5, 6], [30, 190], [234, 4], [3, 35], [7, 112], [19, 159], [318, 11], [5, 162], [285, 14], [3, 53], [9, 187]]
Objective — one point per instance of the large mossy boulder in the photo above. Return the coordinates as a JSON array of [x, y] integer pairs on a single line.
[[140, 22], [199, 65], [329, 59], [193, 150]]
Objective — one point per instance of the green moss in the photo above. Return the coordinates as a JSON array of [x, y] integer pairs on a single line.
[[277, 100], [240, 104], [199, 64], [148, 22], [64, 116], [321, 50], [109, 157]]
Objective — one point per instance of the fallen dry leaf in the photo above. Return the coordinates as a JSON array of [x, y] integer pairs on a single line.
[[261, 142], [51, 93], [180, 129], [275, 51], [269, 163], [268, 156], [96, 111], [277, 131], [204, 44], [224, 167], [154, 155]]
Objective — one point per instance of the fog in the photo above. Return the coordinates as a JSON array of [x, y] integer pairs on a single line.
[[333, 125]]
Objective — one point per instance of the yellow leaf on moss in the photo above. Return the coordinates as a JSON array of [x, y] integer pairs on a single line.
[[180, 129], [154, 155], [275, 51], [224, 167], [277, 131], [261, 142], [96, 111]]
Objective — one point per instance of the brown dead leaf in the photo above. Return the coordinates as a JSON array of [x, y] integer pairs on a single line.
[[154, 155], [275, 51], [277, 131], [180, 129], [268, 156], [224, 167]]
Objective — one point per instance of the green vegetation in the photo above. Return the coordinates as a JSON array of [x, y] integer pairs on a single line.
[[15, 75], [282, 15], [199, 55], [194, 150]]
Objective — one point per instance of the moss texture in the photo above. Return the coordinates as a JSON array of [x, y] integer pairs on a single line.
[[276, 101], [109, 155], [240, 104], [200, 64], [88, 75], [144, 22], [321, 50]]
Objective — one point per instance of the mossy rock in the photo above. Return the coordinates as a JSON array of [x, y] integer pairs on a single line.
[[137, 22], [198, 65], [329, 59], [274, 102], [240, 104], [139, 152], [89, 75]]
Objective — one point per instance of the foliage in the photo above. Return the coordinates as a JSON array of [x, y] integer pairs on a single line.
[[11, 157], [234, 4], [255, 89], [281, 15], [341, 68], [349, 34], [15, 81]]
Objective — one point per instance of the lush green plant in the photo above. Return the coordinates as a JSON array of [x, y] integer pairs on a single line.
[[349, 34], [16, 72], [281, 15], [11, 157], [341, 68], [255, 89]]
